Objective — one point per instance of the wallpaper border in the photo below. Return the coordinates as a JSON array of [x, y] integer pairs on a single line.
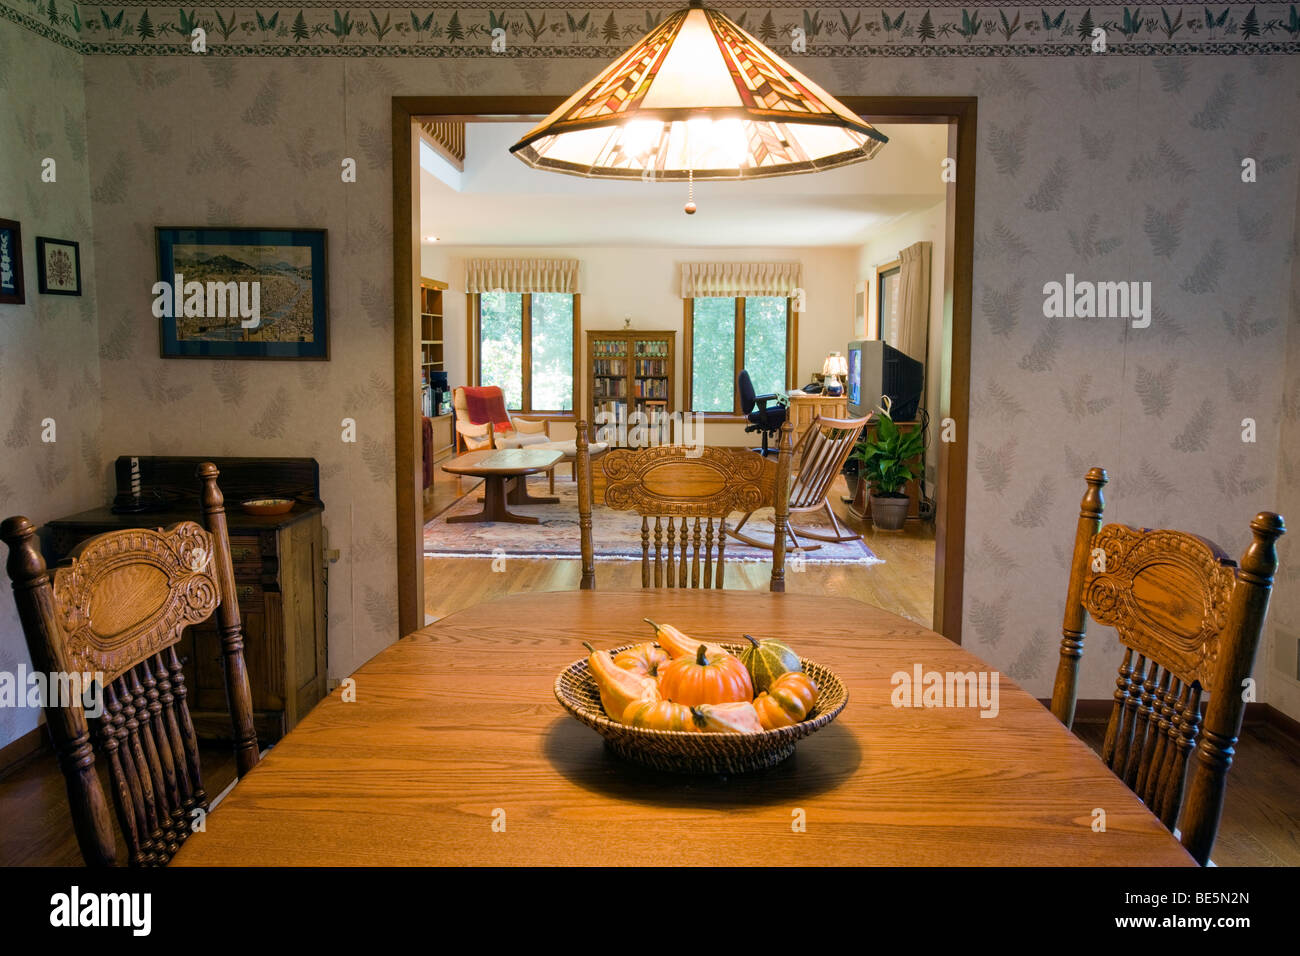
[[596, 32]]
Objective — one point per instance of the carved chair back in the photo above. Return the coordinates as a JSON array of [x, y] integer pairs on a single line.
[[689, 494], [114, 611], [1189, 619]]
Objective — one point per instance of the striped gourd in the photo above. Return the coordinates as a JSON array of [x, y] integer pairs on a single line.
[[768, 660]]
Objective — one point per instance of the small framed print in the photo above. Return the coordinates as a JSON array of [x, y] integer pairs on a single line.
[[11, 263], [58, 263]]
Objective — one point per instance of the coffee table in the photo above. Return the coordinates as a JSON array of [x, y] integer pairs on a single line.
[[496, 468]]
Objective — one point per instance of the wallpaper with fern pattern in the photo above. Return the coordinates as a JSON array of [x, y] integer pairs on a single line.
[[1105, 167]]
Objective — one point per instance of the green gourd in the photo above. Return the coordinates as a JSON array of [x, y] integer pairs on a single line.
[[768, 660]]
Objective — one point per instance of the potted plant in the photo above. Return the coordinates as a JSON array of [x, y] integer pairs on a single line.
[[890, 459]]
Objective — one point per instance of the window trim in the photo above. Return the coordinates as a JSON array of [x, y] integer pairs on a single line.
[[474, 357], [883, 272], [738, 361]]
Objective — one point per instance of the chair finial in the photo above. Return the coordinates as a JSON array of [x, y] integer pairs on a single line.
[[1094, 502], [212, 496], [25, 561], [1260, 559]]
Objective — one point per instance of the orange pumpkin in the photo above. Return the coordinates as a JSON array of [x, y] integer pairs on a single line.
[[654, 713], [706, 678], [789, 699], [644, 660]]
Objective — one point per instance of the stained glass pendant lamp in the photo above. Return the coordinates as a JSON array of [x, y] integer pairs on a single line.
[[698, 98]]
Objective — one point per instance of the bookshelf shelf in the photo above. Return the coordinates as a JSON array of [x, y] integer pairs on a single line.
[[630, 370]]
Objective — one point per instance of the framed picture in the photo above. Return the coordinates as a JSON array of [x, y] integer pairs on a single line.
[[11, 263], [242, 293], [58, 263]]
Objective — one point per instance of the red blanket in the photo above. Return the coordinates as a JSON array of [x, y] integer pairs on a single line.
[[487, 404]]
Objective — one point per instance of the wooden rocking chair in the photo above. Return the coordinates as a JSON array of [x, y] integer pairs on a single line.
[[821, 453]]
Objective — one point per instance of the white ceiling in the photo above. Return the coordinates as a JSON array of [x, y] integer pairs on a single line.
[[502, 202]]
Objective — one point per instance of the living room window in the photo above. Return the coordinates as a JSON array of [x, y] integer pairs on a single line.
[[526, 345], [726, 334]]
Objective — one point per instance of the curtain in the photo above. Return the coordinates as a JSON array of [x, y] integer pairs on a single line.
[[521, 275], [740, 279], [912, 336]]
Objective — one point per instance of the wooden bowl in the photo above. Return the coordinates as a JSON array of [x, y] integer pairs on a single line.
[[267, 506], [679, 751]]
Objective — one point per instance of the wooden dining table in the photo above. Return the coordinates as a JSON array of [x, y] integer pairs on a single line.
[[455, 751]]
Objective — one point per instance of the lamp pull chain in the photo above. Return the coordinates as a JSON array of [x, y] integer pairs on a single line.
[[690, 194]]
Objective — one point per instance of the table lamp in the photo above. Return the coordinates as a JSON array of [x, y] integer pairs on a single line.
[[834, 366]]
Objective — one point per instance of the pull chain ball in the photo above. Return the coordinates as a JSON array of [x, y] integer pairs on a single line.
[[690, 206]]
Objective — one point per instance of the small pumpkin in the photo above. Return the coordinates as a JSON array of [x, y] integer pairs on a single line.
[[707, 678], [766, 661], [618, 687], [644, 660], [736, 718], [655, 713], [789, 699]]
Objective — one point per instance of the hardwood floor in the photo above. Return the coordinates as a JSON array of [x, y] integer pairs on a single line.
[[904, 583], [35, 824]]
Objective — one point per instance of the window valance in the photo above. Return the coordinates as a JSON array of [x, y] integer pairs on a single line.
[[521, 275], [739, 279]]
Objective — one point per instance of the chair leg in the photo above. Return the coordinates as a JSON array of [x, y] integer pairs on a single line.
[[735, 533], [841, 532]]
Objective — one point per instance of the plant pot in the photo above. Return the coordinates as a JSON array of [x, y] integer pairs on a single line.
[[889, 514], [852, 482]]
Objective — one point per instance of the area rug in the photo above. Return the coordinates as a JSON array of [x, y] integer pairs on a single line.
[[616, 534]]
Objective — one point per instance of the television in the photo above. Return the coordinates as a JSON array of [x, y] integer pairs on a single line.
[[877, 369]]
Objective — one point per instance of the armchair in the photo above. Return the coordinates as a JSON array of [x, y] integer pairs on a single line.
[[482, 421], [761, 417]]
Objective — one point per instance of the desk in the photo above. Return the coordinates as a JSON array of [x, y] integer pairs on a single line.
[[458, 721]]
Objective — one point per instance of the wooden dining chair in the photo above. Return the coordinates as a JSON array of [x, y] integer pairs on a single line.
[[820, 455], [1190, 621], [669, 482], [116, 608]]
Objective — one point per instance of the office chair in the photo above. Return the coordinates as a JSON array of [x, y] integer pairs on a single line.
[[762, 419]]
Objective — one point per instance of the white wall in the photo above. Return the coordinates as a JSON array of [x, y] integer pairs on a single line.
[[927, 225], [645, 283]]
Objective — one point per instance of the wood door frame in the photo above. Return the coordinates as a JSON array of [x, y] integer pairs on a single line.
[[959, 112]]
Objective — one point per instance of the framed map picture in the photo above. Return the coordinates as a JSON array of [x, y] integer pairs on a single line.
[[242, 293], [11, 263], [58, 265]]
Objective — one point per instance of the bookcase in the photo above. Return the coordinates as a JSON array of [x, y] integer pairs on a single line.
[[629, 370], [433, 393], [431, 341]]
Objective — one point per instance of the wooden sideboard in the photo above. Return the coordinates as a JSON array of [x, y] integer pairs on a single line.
[[280, 582], [804, 408]]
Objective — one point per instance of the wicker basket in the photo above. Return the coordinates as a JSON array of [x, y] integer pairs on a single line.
[[690, 752]]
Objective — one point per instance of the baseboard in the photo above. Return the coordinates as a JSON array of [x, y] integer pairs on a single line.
[[1283, 723], [1096, 710], [18, 752]]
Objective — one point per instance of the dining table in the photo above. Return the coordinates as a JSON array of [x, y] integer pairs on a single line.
[[449, 747]]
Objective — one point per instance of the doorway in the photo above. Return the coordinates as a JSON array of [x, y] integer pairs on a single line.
[[951, 367]]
